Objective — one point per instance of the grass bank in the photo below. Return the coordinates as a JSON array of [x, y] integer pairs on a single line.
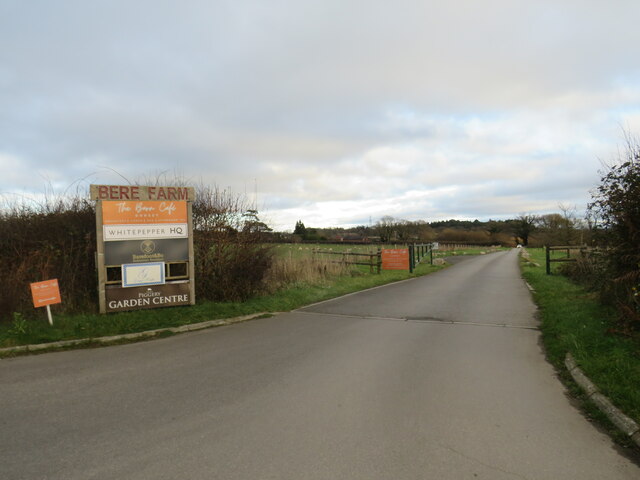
[[573, 320], [68, 327]]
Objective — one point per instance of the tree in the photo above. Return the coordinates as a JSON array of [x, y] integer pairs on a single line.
[[569, 224], [386, 228], [550, 227], [300, 229], [493, 229], [403, 230], [253, 224], [523, 227]]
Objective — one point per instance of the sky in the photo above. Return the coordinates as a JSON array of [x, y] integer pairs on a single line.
[[333, 112]]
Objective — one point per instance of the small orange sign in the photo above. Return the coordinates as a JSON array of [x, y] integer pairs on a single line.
[[395, 259], [143, 212], [45, 293]]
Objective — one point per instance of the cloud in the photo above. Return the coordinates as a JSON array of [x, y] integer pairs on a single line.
[[338, 111]]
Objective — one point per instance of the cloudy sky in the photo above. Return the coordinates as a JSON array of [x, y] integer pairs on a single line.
[[336, 112]]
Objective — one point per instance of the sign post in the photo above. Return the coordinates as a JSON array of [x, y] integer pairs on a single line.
[[395, 259], [145, 246], [45, 294]]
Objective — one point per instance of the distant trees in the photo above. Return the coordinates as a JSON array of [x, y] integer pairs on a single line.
[[560, 228], [308, 234], [391, 229]]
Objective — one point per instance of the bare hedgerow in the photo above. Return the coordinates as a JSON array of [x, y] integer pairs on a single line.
[[231, 256], [53, 238], [616, 207]]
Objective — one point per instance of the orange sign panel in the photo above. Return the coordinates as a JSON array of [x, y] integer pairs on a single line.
[[45, 293], [395, 259], [139, 213]]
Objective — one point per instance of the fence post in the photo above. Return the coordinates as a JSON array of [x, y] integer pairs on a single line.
[[548, 258], [412, 259]]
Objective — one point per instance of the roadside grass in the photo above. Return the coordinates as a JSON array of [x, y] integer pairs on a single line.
[[87, 326], [573, 320]]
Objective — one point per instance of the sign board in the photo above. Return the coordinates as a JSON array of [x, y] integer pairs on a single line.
[[134, 298], [145, 235], [136, 213], [114, 233], [149, 250], [141, 274], [395, 259], [45, 293], [435, 246]]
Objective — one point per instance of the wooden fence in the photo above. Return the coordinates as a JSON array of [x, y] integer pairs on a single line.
[[571, 254], [374, 261], [418, 252]]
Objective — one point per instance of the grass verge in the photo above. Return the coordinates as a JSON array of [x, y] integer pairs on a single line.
[[90, 326], [573, 320]]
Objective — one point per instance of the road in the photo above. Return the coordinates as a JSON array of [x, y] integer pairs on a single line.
[[440, 377]]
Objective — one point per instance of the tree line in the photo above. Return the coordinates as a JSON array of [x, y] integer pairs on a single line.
[[562, 228]]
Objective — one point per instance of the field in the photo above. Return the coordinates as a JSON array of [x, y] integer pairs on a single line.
[[295, 250]]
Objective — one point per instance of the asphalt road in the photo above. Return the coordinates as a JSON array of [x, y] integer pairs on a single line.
[[440, 377]]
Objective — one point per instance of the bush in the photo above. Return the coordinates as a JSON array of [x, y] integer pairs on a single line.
[[616, 207], [590, 270], [231, 258]]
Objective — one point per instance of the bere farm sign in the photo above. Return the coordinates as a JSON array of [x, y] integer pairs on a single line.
[[138, 192], [145, 246]]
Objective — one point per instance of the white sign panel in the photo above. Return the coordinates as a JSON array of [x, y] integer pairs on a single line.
[[141, 274], [144, 232]]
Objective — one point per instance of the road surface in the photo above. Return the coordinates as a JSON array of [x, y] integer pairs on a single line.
[[440, 377]]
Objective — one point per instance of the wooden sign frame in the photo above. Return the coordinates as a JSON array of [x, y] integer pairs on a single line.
[[149, 198]]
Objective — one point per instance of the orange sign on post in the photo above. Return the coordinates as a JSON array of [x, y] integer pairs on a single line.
[[395, 259], [44, 294], [143, 212]]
